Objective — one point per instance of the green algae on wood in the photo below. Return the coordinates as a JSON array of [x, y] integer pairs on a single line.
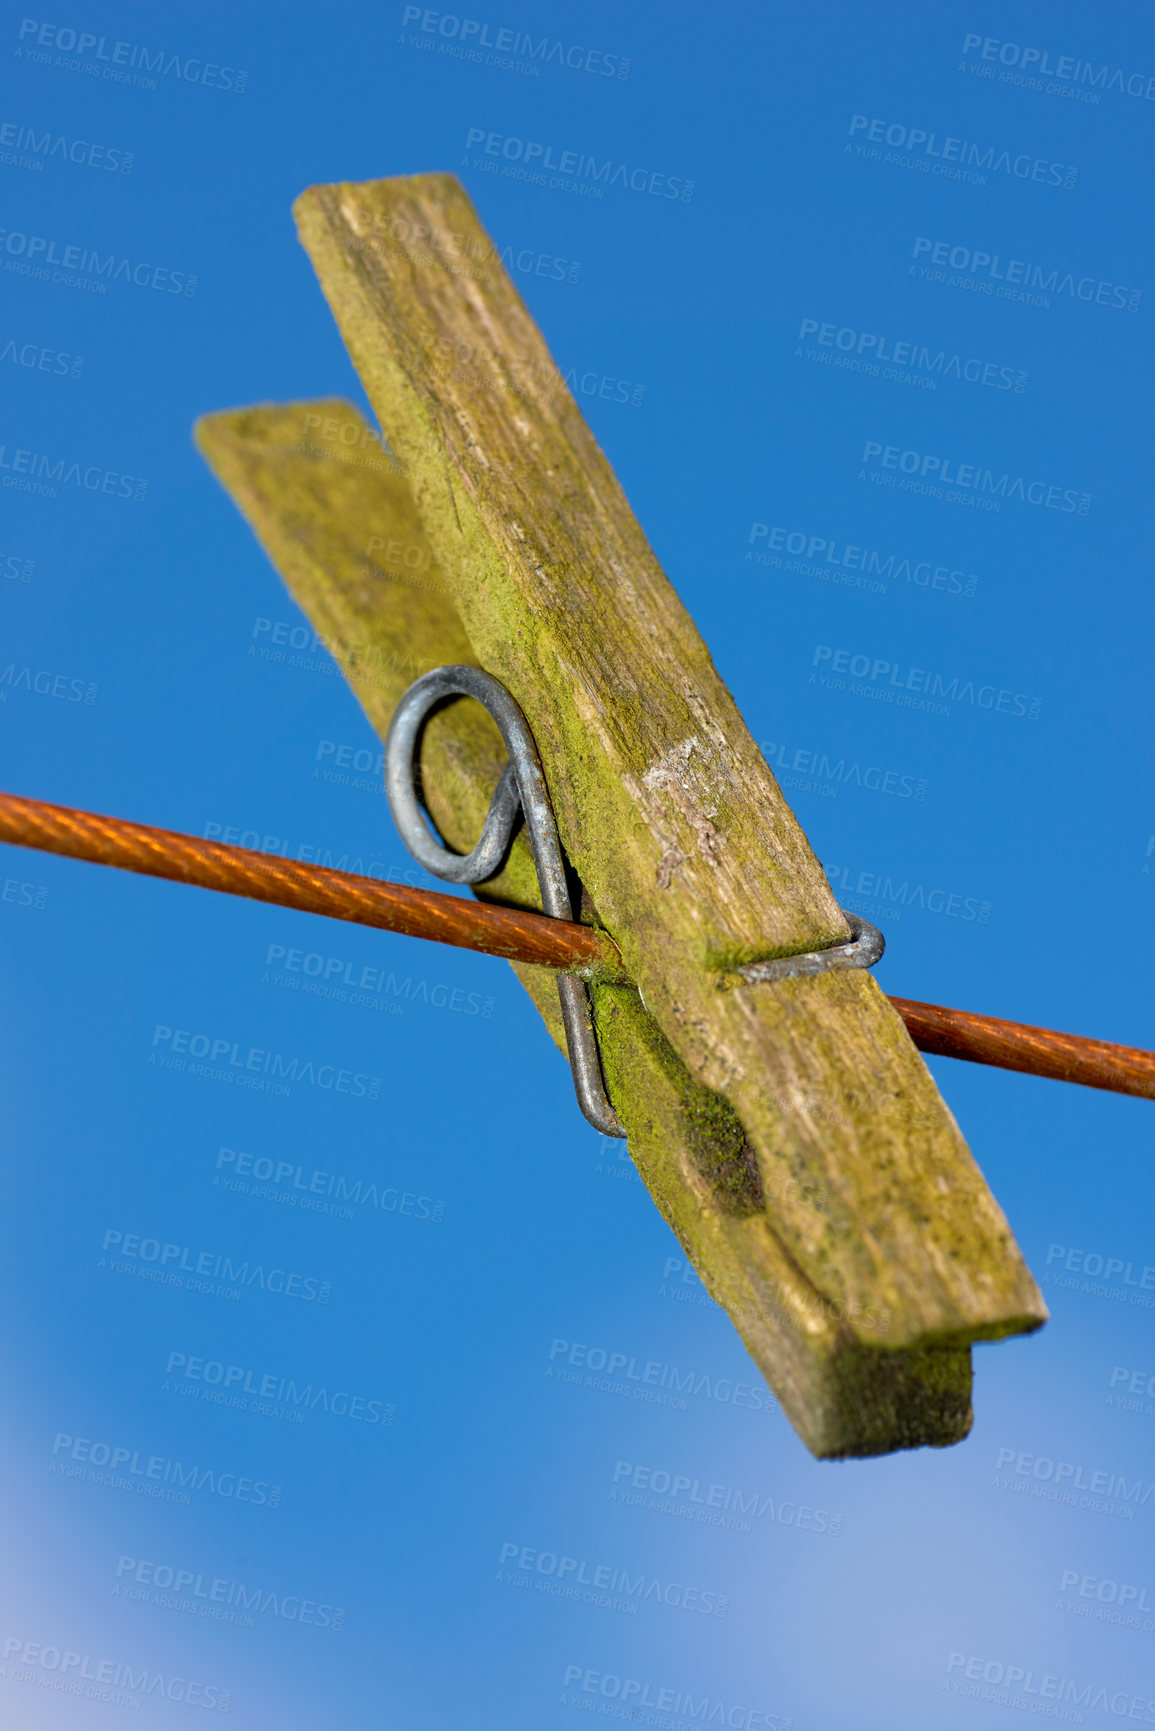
[[666, 809], [315, 522], [338, 522]]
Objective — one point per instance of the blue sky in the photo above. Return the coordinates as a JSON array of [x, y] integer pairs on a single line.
[[873, 295]]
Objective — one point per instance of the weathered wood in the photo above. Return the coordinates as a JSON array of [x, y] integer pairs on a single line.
[[339, 524], [688, 1144], [670, 816]]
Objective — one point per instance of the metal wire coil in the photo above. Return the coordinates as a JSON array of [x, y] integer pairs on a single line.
[[522, 787]]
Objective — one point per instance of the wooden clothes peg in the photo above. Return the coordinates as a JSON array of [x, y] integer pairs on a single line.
[[789, 1132]]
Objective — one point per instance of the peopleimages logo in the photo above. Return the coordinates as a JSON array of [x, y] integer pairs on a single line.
[[871, 347], [180, 1259], [367, 663], [472, 34], [991, 160], [633, 1692], [554, 1572], [816, 551], [1140, 1382], [367, 766], [162, 1478], [123, 61], [49, 145], [14, 568], [1067, 67], [223, 1600], [335, 977], [308, 853], [889, 898], [31, 254], [45, 684], [1053, 1477], [24, 895], [536, 158], [898, 683], [720, 1506], [1010, 273], [266, 1066], [934, 473], [814, 770], [459, 254], [37, 358], [1076, 1261], [235, 1380], [1080, 1271], [1001, 1678], [1105, 1592], [110, 1680], [654, 1382], [33, 472], [311, 1190]]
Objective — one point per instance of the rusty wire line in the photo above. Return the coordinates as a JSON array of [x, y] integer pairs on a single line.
[[515, 935]]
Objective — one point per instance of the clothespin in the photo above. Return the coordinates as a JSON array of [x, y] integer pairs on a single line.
[[788, 1130]]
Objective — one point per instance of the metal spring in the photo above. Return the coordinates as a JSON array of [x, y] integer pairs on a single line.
[[522, 786]]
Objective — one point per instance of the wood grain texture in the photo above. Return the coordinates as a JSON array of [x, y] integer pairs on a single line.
[[690, 1147], [337, 520], [665, 806], [843, 1397]]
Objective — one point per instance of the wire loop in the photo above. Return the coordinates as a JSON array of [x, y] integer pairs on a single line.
[[521, 787]]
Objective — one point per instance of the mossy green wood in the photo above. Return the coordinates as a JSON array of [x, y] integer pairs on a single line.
[[317, 517], [340, 526], [666, 808]]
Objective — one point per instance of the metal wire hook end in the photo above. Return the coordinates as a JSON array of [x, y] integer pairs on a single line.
[[864, 949], [522, 785]]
